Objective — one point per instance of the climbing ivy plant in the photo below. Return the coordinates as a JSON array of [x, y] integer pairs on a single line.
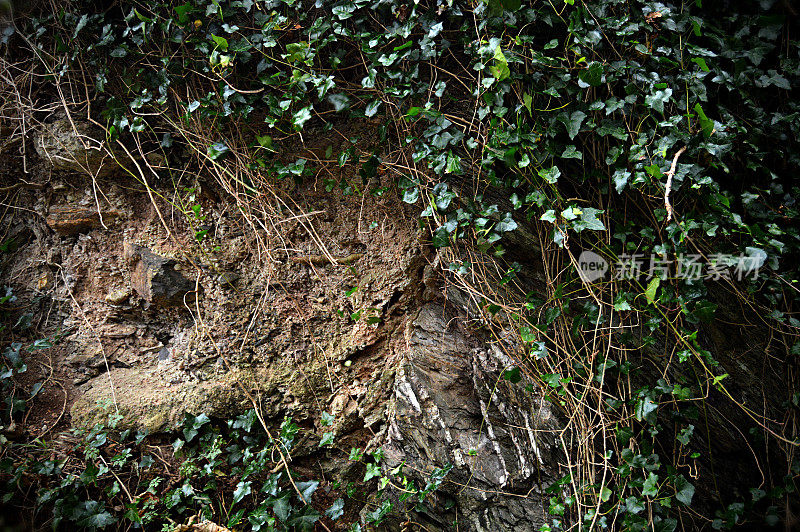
[[642, 131]]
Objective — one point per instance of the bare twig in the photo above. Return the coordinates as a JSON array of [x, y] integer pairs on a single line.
[[668, 187]]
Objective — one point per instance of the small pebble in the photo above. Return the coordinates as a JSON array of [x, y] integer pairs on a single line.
[[118, 296]]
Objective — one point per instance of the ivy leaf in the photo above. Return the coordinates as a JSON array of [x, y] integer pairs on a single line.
[[81, 24], [379, 513], [652, 287], [411, 195], [373, 470], [706, 125], [327, 419], [506, 224], [701, 63], [621, 303], [243, 489], [570, 152], [281, 507], [755, 258], [657, 100], [355, 454], [217, 150], [327, 439], [549, 216], [589, 221], [572, 122], [685, 435], [650, 487], [301, 117], [593, 75], [442, 196], [453, 164], [308, 488], [527, 334], [571, 213], [500, 69], [336, 510], [221, 42], [183, 13], [621, 179], [645, 409], [512, 375], [372, 108], [773, 78], [684, 490], [100, 520], [634, 505], [441, 238], [304, 520], [550, 175], [339, 101]]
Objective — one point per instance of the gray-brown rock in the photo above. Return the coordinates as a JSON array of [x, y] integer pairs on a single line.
[[118, 296], [451, 405], [75, 146], [70, 221], [155, 278]]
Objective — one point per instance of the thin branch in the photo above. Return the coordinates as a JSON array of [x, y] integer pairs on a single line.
[[668, 186]]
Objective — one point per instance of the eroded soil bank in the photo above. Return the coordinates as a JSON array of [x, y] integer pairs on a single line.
[[315, 301]]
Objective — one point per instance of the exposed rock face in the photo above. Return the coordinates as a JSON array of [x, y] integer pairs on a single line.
[[70, 221], [156, 278], [360, 331], [451, 405], [74, 146]]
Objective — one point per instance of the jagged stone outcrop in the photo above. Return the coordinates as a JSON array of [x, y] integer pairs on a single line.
[[451, 405], [157, 279]]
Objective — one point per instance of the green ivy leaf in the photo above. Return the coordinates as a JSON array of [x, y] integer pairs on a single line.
[[307, 488], [512, 375], [506, 224], [282, 507], [372, 108], [183, 13], [646, 409], [411, 195], [327, 439], [549, 216], [701, 63], [621, 303], [685, 435], [242, 490], [373, 470], [650, 487], [550, 175], [652, 287], [221, 42], [441, 238], [634, 505], [573, 122], [593, 75], [339, 101], [500, 69], [684, 490], [706, 125], [657, 99], [336, 510], [301, 117]]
